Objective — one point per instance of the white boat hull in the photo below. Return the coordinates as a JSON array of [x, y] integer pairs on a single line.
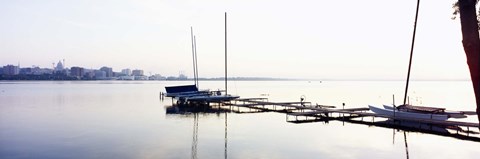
[[451, 114], [390, 112], [219, 98]]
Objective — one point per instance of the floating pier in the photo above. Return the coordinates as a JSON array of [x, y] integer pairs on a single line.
[[302, 112]]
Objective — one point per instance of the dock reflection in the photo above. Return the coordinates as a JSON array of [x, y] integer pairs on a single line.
[[407, 126], [314, 113], [194, 111]]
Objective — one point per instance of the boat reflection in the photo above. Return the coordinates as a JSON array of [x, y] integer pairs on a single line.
[[194, 112], [407, 126], [195, 109]]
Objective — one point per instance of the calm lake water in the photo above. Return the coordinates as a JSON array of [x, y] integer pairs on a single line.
[[127, 119]]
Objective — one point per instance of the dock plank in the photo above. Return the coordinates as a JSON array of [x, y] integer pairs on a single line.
[[310, 110]]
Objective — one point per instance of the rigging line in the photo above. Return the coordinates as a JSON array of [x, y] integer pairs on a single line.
[[411, 53], [196, 61], [226, 53], [193, 57]]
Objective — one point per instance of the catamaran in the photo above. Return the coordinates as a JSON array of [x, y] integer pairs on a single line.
[[405, 114], [418, 112], [428, 110]]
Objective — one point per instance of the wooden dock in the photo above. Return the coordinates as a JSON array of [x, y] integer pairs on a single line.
[[325, 113]]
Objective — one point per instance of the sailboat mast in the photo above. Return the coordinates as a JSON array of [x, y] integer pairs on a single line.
[[225, 52], [193, 57], [196, 61], [411, 53]]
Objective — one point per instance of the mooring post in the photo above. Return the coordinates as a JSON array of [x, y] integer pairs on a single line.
[[468, 131]]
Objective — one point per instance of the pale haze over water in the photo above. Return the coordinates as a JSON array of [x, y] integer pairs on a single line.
[[126, 119], [350, 39], [352, 52]]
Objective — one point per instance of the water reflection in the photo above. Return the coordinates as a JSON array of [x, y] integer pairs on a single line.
[[194, 111], [408, 126], [406, 144], [226, 136], [195, 136], [96, 120]]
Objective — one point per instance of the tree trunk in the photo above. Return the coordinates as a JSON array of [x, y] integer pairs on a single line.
[[471, 44]]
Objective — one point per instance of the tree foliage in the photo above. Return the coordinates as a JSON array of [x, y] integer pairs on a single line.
[[456, 11]]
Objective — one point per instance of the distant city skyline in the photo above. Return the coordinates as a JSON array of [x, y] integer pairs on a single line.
[[60, 65], [60, 72], [281, 39]]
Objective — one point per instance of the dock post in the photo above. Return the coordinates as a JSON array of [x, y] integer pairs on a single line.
[[468, 131]]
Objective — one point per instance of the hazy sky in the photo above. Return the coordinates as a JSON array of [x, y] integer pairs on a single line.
[[348, 39]]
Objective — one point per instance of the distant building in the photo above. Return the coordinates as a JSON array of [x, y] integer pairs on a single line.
[[157, 77], [108, 71], [60, 66], [182, 77], [60, 69], [140, 77], [127, 72], [77, 72], [89, 73], [11, 70], [100, 75], [126, 78], [137, 73], [29, 70], [172, 78], [25, 71], [41, 71], [44, 71]]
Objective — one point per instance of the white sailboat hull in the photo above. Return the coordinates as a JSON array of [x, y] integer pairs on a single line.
[[450, 114], [219, 98], [411, 115]]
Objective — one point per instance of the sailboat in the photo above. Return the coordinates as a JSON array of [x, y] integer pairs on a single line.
[[410, 111], [406, 114], [191, 94], [185, 91], [425, 109]]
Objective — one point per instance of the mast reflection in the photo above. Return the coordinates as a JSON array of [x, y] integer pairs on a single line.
[[194, 112]]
